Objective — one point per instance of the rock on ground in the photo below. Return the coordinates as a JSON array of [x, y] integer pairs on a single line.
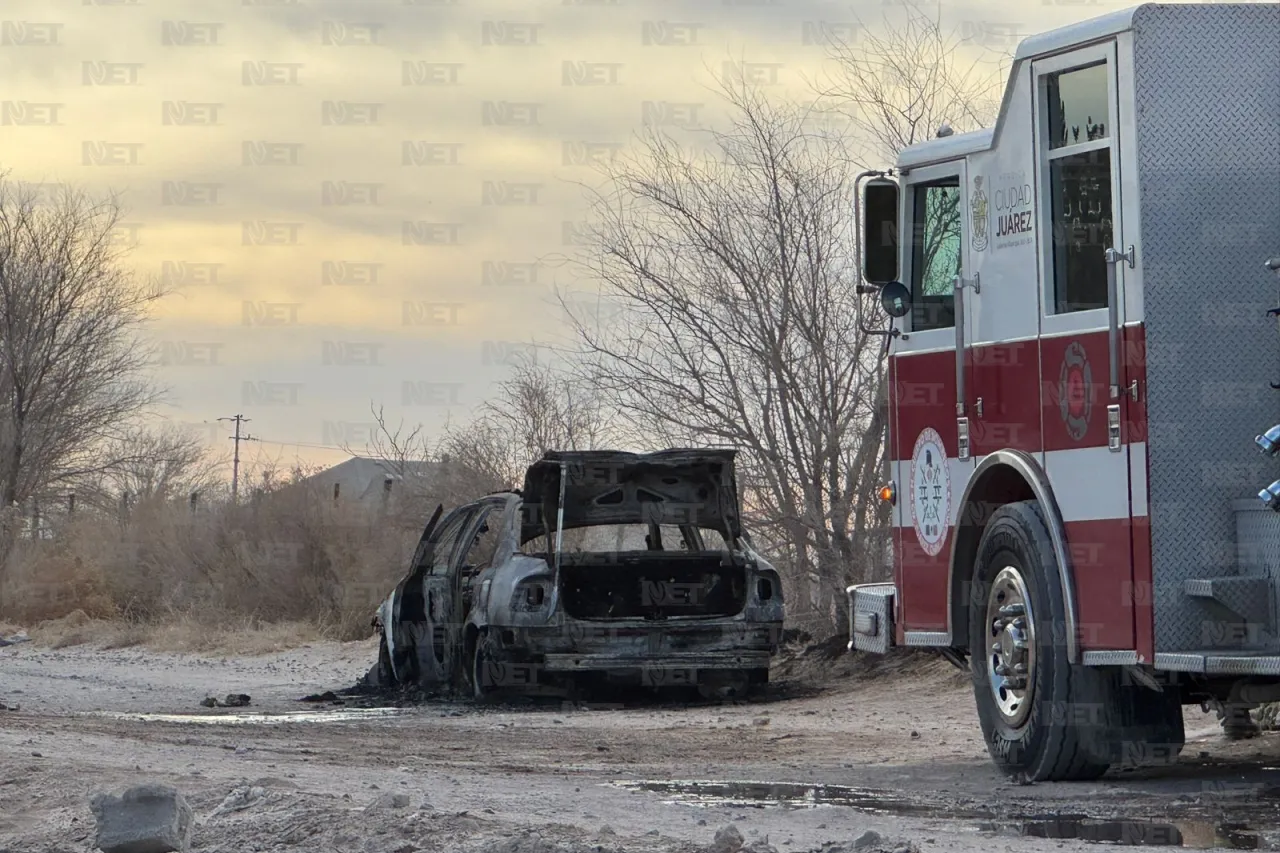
[[727, 840], [241, 798], [150, 818]]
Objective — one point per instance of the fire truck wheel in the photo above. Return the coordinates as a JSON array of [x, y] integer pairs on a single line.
[[1026, 691]]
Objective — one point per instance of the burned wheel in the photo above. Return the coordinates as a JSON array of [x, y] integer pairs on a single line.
[[386, 675], [481, 669], [1042, 717]]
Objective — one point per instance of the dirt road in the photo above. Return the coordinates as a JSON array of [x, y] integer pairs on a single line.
[[899, 756]]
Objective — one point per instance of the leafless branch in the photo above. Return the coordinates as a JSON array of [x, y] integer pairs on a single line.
[[737, 265], [899, 83], [73, 373]]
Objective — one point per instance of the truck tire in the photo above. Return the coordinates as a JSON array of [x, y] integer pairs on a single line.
[[1043, 719]]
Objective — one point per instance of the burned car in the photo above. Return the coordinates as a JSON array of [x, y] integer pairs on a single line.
[[605, 566]]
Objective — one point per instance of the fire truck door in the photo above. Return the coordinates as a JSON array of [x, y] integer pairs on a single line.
[[1086, 454], [1002, 304], [930, 462]]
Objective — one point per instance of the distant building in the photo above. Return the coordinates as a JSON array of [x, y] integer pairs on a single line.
[[369, 481]]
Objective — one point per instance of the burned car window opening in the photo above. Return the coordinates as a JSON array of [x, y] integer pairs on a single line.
[[413, 605], [442, 552], [484, 543]]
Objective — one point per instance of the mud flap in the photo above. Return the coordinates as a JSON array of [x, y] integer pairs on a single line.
[[1144, 726]]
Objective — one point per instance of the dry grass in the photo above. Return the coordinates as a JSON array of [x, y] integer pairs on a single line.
[[247, 639], [181, 634], [295, 568], [292, 569]]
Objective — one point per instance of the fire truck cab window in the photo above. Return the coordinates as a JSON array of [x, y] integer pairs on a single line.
[[1079, 175], [935, 253], [1078, 105]]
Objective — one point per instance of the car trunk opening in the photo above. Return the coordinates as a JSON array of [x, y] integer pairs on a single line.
[[652, 585]]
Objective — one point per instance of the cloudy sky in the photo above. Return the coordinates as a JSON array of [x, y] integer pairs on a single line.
[[366, 201]]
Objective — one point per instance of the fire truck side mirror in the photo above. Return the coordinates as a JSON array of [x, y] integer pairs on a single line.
[[880, 231], [895, 298]]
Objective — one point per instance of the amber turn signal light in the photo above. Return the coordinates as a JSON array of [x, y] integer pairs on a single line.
[[889, 493]]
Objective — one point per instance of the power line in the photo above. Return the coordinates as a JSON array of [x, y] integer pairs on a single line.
[[302, 444], [235, 461]]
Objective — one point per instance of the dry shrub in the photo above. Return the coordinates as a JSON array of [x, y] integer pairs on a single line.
[[287, 567], [126, 635], [72, 629], [50, 579]]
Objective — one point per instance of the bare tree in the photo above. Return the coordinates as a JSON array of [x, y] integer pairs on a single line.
[[739, 272], [72, 370], [539, 407], [273, 474], [739, 266], [898, 85], [156, 464], [536, 408]]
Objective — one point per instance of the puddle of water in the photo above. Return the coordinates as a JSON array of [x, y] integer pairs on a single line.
[[789, 795], [336, 716], [1185, 834], [1199, 835]]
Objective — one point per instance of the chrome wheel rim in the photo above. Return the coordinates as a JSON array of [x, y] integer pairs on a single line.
[[1011, 647]]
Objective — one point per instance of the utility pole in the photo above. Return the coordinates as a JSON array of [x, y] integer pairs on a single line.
[[235, 459]]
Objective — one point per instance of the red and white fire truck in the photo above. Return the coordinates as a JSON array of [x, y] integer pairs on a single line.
[[1081, 360]]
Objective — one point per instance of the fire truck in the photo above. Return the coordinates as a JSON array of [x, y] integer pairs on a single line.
[[1085, 389]]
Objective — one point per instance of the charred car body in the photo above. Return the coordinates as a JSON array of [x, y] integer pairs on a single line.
[[620, 566]]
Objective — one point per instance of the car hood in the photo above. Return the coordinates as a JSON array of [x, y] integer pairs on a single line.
[[695, 487]]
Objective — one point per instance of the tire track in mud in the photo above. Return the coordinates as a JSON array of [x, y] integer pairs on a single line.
[[913, 764], [1228, 792]]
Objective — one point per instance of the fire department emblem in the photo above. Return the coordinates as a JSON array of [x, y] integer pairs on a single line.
[[930, 492], [978, 215], [1075, 401]]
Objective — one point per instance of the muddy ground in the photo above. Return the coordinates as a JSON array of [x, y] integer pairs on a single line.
[[898, 754]]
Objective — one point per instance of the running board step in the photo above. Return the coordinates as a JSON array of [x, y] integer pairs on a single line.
[[871, 617], [1218, 662], [1249, 597]]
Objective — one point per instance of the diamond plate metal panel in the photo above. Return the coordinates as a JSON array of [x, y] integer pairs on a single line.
[[1110, 658], [1257, 538], [1212, 663], [926, 638], [1236, 665], [1180, 662], [1207, 81], [875, 600], [1258, 554], [1249, 598]]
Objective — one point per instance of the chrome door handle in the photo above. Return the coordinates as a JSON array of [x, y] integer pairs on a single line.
[[958, 287], [1114, 257]]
